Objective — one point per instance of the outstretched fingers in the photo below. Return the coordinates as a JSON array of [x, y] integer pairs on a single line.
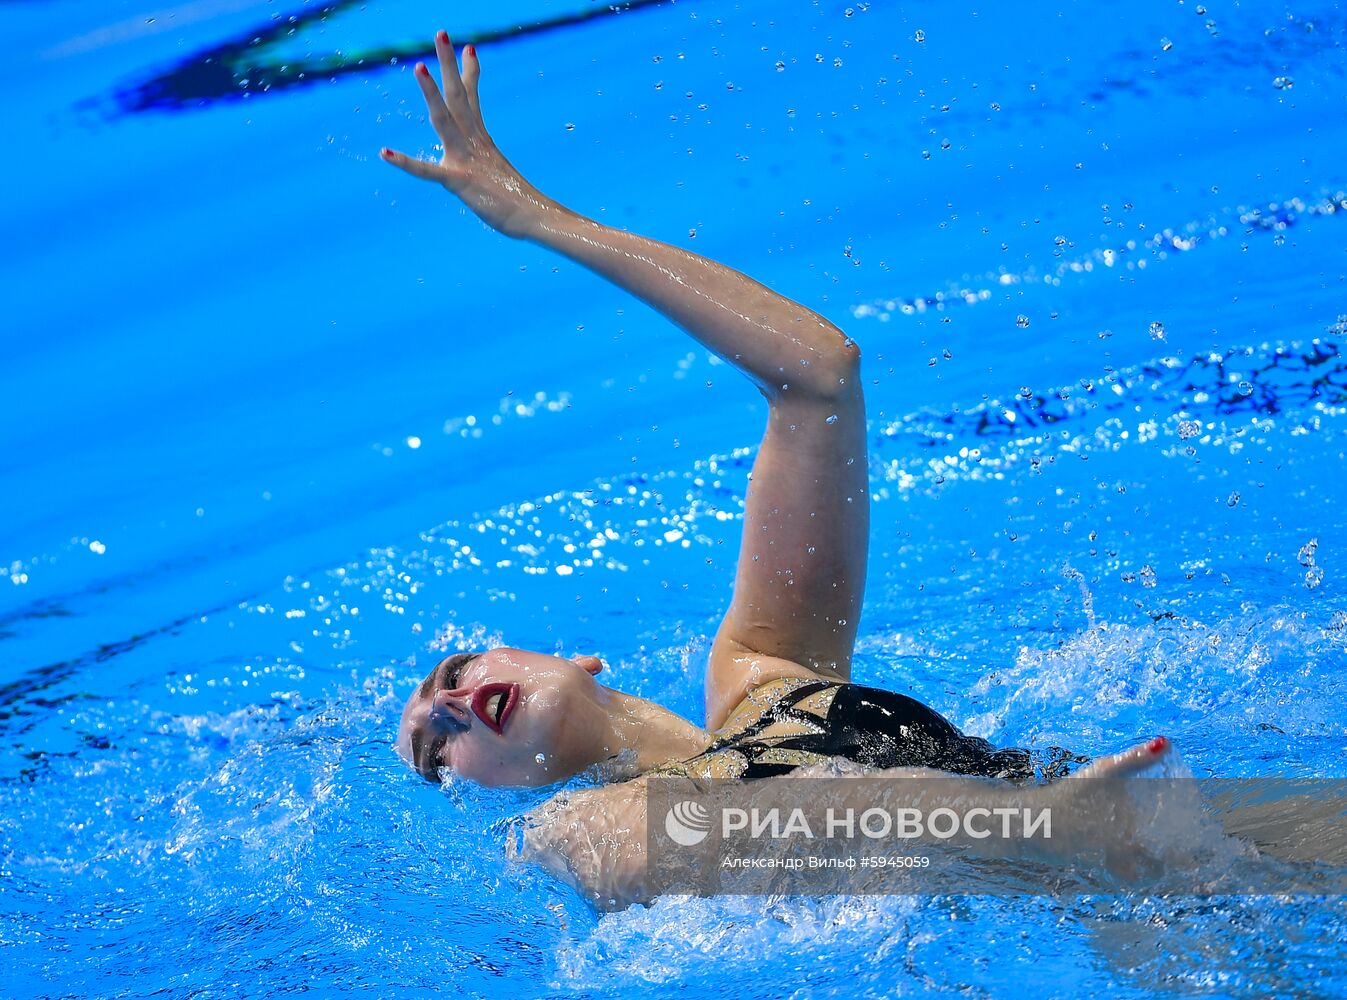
[[455, 96], [435, 106], [417, 168], [1129, 762], [472, 69]]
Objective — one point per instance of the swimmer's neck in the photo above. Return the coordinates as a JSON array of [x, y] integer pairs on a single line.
[[645, 735]]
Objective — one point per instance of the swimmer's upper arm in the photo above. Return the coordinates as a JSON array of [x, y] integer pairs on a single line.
[[801, 571], [595, 840]]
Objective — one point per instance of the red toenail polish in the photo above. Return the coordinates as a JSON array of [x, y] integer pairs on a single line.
[[1157, 745]]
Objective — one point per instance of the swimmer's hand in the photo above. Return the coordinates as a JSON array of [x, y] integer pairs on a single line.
[[471, 167]]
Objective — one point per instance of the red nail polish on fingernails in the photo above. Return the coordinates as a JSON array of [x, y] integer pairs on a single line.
[[1158, 745], [386, 153], [442, 36], [471, 50]]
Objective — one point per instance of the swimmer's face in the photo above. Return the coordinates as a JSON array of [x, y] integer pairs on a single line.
[[506, 717]]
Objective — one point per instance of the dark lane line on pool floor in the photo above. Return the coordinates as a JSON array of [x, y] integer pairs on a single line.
[[240, 67]]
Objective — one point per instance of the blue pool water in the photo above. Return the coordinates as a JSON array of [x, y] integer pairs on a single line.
[[281, 425]]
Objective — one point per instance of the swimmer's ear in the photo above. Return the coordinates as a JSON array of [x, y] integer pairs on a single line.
[[592, 664]]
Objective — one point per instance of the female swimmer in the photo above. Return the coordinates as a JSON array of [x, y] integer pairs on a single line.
[[778, 695]]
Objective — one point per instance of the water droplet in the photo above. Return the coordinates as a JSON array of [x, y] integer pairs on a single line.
[[1188, 429], [780, 66], [1246, 388], [541, 758], [570, 126], [831, 418], [1158, 330], [1313, 577], [1165, 45], [1283, 83], [810, 550], [1026, 392], [946, 354], [1279, 239], [1232, 500], [1021, 321], [1147, 577], [920, 36]]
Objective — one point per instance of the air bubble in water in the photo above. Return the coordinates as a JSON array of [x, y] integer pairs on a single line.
[[1306, 553], [1313, 577], [1246, 388], [1147, 577], [1165, 45], [1283, 82], [1021, 321], [1188, 429], [1232, 500], [1158, 330], [920, 35]]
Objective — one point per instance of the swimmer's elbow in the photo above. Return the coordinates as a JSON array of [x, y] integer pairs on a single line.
[[832, 371]]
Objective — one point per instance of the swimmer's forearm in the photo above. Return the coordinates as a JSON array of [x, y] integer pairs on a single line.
[[782, 346], [788, 350]]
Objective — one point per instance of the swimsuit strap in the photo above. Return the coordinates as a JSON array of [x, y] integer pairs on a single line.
[[782, 710]]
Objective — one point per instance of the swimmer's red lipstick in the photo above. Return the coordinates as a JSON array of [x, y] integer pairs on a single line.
[[481, 702]]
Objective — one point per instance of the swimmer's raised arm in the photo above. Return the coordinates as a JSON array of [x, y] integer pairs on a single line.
[[802, 565]]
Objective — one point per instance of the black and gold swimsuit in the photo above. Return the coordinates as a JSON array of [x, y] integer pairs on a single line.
[[865, 725]]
